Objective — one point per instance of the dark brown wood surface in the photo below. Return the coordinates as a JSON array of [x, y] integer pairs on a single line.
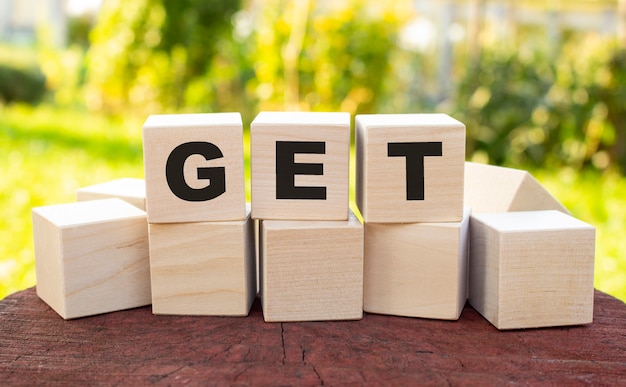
[[135, 347]]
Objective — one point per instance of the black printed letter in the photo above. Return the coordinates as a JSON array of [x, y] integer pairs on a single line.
[[287, 168], [174, 172], [414, 153]]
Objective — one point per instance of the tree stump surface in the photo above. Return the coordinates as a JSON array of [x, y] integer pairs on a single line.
[[135, 347]]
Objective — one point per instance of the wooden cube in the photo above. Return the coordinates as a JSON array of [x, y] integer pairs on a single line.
[[409, 168], [490, 188], [194, 167], [300, 165], [311, 270], [416, 269], [203, 268], [130, 190], [91, 257], [531, 269]]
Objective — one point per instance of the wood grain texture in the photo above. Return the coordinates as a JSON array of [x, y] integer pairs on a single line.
[[333, 129], [135, 347], [531, 269], [489, 188], [311, 270], [203, 268], [162, 134], [130, 190], [381, 180], [416, 269], [91, 257]]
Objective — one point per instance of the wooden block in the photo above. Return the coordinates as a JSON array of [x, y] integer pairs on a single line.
[[300, 165], [203, 268], [311, 270], [130, 190], [489, 188], [409, 168], [91, 257], [416, 269], [531, 269], [194, 167]]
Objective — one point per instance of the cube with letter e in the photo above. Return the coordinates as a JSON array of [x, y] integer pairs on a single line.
[[300, 165]]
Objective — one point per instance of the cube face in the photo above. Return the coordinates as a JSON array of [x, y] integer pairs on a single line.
[[410, 168], [194, 167], [203, 268], [532, 269], [311, 270], [92, 257], [416, 269], [130, 190], [489, 188], [300, 165]]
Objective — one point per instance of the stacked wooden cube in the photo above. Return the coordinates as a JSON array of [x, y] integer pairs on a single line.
[[436, 230], [409, 189], [310, 244], [202, 255]]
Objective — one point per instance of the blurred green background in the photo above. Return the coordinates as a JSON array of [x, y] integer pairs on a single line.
[[540, 85]]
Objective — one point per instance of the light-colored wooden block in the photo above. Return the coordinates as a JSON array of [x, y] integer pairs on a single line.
[[409, 168], [300, 165], [531, 269], [416, 269], [490, 188], [130, 190], [91, 257], [311, 270], [203, 268], [194, 167]]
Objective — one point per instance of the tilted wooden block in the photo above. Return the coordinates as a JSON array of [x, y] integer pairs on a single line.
[[416, 269], [311, 270], [194, 167], [409, 168], [531, 269], [91, 257], [490, 188], [130, 190], [203, 268], [300, 165]]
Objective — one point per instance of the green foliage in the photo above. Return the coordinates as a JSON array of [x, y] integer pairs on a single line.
[[21, 85], [146, 53], [532, 107], [21, 78], [342, 60], [78, 29], [158, 56]]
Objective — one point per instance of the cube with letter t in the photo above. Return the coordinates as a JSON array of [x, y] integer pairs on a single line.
[[300, 165], [410, 167], [194, 167]]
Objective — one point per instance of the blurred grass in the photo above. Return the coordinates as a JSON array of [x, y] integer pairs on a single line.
[[600, 200], [47, 153]]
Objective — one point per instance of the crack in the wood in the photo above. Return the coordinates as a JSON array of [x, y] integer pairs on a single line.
[[282, 342], [303, 354], [319, 377]]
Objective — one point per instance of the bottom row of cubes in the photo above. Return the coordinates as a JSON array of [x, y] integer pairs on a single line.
[[519, 269]]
